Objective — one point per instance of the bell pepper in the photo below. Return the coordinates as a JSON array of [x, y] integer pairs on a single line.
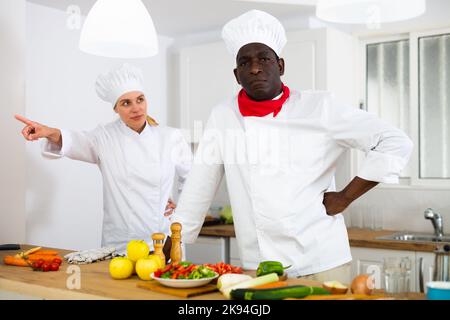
[[267, 267], [185, 264]]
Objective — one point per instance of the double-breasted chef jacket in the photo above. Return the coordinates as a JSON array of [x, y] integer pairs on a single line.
[[277, 170], [138, 172]]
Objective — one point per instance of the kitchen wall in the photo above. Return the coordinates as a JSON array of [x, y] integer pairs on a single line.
[[12, 90], [64, 197], [402, 208]]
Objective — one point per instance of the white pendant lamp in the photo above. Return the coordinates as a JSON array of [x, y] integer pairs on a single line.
[[369, 11], [119, 29]]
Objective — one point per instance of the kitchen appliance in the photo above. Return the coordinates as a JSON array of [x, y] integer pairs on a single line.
[[6, 247]]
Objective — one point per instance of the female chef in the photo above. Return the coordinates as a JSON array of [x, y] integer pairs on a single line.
[[138, 159]]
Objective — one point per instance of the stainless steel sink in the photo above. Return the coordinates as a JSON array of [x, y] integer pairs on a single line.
[[415, 237], [437, 237]]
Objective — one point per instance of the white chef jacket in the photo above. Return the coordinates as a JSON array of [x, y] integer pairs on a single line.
[[277, 171], [138, 172]]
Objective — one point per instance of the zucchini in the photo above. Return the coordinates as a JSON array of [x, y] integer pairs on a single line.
[[298, 291]]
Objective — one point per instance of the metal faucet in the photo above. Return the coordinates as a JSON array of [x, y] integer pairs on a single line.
[[436, 220]]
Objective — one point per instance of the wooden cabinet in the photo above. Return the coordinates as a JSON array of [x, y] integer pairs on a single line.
[[234, 253], [207, 250], [427, 259], [370, 261]]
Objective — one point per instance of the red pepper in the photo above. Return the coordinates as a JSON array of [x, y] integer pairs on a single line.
[[189, 269], [167, 268], [181, 269]]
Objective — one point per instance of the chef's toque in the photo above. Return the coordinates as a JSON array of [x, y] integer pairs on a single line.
[[254, 26], [112, 85]]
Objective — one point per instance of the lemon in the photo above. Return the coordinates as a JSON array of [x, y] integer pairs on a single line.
[[145, 266], [137, 249], [158, 259], [120, 268]]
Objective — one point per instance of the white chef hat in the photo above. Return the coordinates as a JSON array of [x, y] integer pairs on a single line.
[[254, 26], [112, 85]]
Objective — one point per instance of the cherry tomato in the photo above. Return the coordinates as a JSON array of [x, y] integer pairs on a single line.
[[158, 273], [39, 263], [54, 266], [35, 265], [57, 260], [45, 267]]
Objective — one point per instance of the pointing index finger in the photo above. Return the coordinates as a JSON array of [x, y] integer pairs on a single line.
[[24, 120]]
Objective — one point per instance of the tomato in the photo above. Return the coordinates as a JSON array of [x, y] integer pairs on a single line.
[[35, 265], [236, 270], [45, 267], [57, 260], [158, 273], [54, 266], [223, 268], [39, 263]]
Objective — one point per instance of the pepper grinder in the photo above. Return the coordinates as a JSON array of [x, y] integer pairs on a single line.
[[175, 251], [158, 244]]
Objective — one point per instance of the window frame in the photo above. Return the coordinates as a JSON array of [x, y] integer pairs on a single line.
[[414, 182]]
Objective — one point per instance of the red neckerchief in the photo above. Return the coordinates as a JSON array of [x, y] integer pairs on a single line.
[[252, 108]]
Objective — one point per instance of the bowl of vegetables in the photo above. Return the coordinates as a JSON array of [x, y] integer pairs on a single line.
[[184, 275]]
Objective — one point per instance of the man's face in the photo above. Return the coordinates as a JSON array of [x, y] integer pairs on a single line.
[[258, 71]]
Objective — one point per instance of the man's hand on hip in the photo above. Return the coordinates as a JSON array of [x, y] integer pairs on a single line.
[[335, 202]]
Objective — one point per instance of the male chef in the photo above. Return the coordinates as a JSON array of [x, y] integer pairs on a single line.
[[278, 149]]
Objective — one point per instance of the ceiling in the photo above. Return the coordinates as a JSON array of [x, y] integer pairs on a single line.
[[179, 18], [175, 18]]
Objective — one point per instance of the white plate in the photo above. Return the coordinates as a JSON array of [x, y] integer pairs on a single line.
[[184, 283]]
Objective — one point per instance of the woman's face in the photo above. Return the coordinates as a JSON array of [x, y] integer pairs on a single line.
[[132, 109]]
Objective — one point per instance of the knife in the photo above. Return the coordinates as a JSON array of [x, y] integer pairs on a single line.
[[9, 247]]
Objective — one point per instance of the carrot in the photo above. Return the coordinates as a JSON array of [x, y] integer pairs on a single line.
[[277, 284], [45, 252], [25, 253], [31, 251], [13, 261], [45, 257]]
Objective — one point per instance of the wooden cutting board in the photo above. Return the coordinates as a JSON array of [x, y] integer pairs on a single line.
[[178, 292]]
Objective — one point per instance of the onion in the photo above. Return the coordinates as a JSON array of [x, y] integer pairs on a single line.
[[362, 284], [335, 287]]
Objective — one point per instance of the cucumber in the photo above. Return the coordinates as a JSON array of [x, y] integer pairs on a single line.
[[277, 293]]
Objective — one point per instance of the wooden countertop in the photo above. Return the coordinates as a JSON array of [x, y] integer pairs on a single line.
[[367, 239], [358, 238], [96, 283]]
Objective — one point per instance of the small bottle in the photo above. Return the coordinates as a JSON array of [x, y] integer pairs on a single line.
[[158, 244], [175, 251]]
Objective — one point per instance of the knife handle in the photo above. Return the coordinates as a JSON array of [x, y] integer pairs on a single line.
[[9, 247]]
